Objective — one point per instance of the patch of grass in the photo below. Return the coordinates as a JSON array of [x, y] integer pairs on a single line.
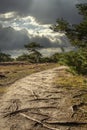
[[74, 84], [71, 81]]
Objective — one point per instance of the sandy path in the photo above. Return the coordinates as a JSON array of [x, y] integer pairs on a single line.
[[36, 97]]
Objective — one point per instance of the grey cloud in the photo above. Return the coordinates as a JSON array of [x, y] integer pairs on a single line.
[[50, 10], [46, 11], [11, 39], [20, 6], [46, 43]]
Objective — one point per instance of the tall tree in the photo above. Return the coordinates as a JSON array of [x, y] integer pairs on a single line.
[[61, 25], [77, 35], [33, 49]]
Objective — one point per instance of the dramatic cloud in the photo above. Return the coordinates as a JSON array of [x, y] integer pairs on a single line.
[[24, 21], [46, 11], [20, 6], [11, 39]]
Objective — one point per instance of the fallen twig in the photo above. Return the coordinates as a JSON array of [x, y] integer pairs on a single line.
[[27, 109], [40, 99], [35, 120], [72, 123]]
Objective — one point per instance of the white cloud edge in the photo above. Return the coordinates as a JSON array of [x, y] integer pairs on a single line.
[[33, 27]]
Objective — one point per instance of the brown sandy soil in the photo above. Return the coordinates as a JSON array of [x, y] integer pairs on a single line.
[[35, 103], [11, 72]]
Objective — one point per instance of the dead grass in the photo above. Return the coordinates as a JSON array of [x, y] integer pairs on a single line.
[[15, 72], [72, 81], [76, 85]]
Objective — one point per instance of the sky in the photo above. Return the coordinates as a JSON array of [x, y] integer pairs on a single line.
[[25, 21]]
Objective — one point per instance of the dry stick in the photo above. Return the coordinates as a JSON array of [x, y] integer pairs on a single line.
[[26, 109], [55, 92], [40, 99], [66, 123], [44, 125], [37, 99]]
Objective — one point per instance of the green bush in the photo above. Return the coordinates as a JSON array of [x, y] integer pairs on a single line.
[[5, 57], [77, 60], [23, 57]]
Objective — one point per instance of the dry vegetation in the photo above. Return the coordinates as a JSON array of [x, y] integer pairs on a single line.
[[72, 81], [77, 86], [10, 73]]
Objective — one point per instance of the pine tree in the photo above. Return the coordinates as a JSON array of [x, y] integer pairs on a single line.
[[77, 35]]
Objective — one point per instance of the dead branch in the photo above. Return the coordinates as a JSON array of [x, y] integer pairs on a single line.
[[35, 120], [27, 109], [40, 99], [72, 123], [55, 92]]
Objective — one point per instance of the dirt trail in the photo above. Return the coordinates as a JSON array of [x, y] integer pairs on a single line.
[[34, 103]]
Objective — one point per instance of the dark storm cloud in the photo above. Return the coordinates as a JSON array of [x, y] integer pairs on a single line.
[[50, 10], [11, 39], [20, 6], [46, 43], [46, 11]]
